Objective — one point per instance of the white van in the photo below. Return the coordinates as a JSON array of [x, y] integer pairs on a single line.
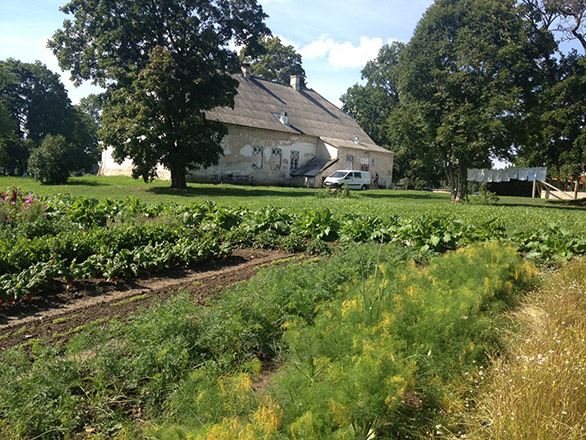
[[354, 179]]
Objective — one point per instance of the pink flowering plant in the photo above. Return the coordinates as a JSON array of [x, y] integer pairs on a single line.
[[16, 208]]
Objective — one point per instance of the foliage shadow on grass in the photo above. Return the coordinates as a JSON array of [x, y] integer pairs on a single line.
[[558, 207], [423, 195], [85, 182], [227, 191]]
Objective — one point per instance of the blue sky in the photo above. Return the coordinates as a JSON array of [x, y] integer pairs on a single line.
[[335, 38]]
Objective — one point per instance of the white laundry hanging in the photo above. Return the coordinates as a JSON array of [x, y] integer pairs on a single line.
[[506, 175]]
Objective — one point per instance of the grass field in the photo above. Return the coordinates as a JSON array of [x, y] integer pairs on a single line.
[[514, 212]]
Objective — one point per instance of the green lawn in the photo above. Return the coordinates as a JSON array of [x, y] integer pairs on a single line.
[[515, 212]]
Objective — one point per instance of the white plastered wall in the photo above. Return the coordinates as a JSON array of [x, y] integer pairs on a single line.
[[378, 162], [109, 167], [241, 163]]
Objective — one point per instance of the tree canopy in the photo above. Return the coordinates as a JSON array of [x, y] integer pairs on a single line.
[[371, 104], [468, 78], [163, 63], [560, 142], [375, 105], [33, 105], [275, 61]]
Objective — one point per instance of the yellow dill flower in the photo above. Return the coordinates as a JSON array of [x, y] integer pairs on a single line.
[[348, 305], [303, 427], [268, 417], [339, 413]]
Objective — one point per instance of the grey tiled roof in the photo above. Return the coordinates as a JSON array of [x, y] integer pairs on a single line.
[[313, 167], [259, 102], [353, 145]]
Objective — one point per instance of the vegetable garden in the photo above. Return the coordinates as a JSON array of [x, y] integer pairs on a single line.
[[369, 339]]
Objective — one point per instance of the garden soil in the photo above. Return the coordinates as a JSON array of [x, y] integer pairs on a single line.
[[60, 312]]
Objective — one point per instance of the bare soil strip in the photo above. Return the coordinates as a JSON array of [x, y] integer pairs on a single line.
[[58, 313]]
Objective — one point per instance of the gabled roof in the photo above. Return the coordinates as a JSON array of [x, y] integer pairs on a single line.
[[341, 143], [313, 167], [259, 103]]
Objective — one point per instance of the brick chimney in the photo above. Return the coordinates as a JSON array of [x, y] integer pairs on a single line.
[[296, 82]]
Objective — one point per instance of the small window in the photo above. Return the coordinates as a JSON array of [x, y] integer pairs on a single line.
[[364, 164], [276, 159], [294, 160], [357, 175], [349, 161], [257, 157]]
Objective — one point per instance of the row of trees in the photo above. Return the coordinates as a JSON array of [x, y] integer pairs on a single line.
[[479, 80], [40, 130]]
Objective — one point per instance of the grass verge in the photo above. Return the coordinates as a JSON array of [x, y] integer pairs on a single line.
[[537, 388]]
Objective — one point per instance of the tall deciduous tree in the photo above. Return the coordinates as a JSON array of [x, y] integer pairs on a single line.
[[277, 62], [371, 104], [468, 76], [7, 130], [572, 18], [38, 105], [560, 142], [374, 105], [163, 63]]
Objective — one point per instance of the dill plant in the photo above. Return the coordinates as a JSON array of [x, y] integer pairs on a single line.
[[388, 368], [184, 367]]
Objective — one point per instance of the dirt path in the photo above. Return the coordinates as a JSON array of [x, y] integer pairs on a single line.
[[61, 312]]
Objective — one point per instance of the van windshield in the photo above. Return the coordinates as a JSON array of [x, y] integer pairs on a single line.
[[339, 174]]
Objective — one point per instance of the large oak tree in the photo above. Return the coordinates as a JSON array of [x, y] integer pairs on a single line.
[[469, 77], [163, 63]]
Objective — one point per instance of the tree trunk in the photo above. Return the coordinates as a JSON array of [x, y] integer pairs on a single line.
[[457, 182], [178, 179]]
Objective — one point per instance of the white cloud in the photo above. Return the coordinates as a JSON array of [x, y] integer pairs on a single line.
[[347, 55], [343, 54], [317, 49]]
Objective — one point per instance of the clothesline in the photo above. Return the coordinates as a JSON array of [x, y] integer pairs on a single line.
[[506, 175]]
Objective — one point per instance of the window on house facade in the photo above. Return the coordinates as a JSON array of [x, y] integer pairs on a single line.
[[257, 157], [294, 160], [349, 162], [276, 159], [364, 164]]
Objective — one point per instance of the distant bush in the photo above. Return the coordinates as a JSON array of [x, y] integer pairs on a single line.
[[485, 197], [50, 163]]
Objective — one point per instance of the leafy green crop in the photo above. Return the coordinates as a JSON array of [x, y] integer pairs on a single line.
[[82, 238]]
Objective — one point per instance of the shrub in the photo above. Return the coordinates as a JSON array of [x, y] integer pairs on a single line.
[[50, 162], [485, 197]]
